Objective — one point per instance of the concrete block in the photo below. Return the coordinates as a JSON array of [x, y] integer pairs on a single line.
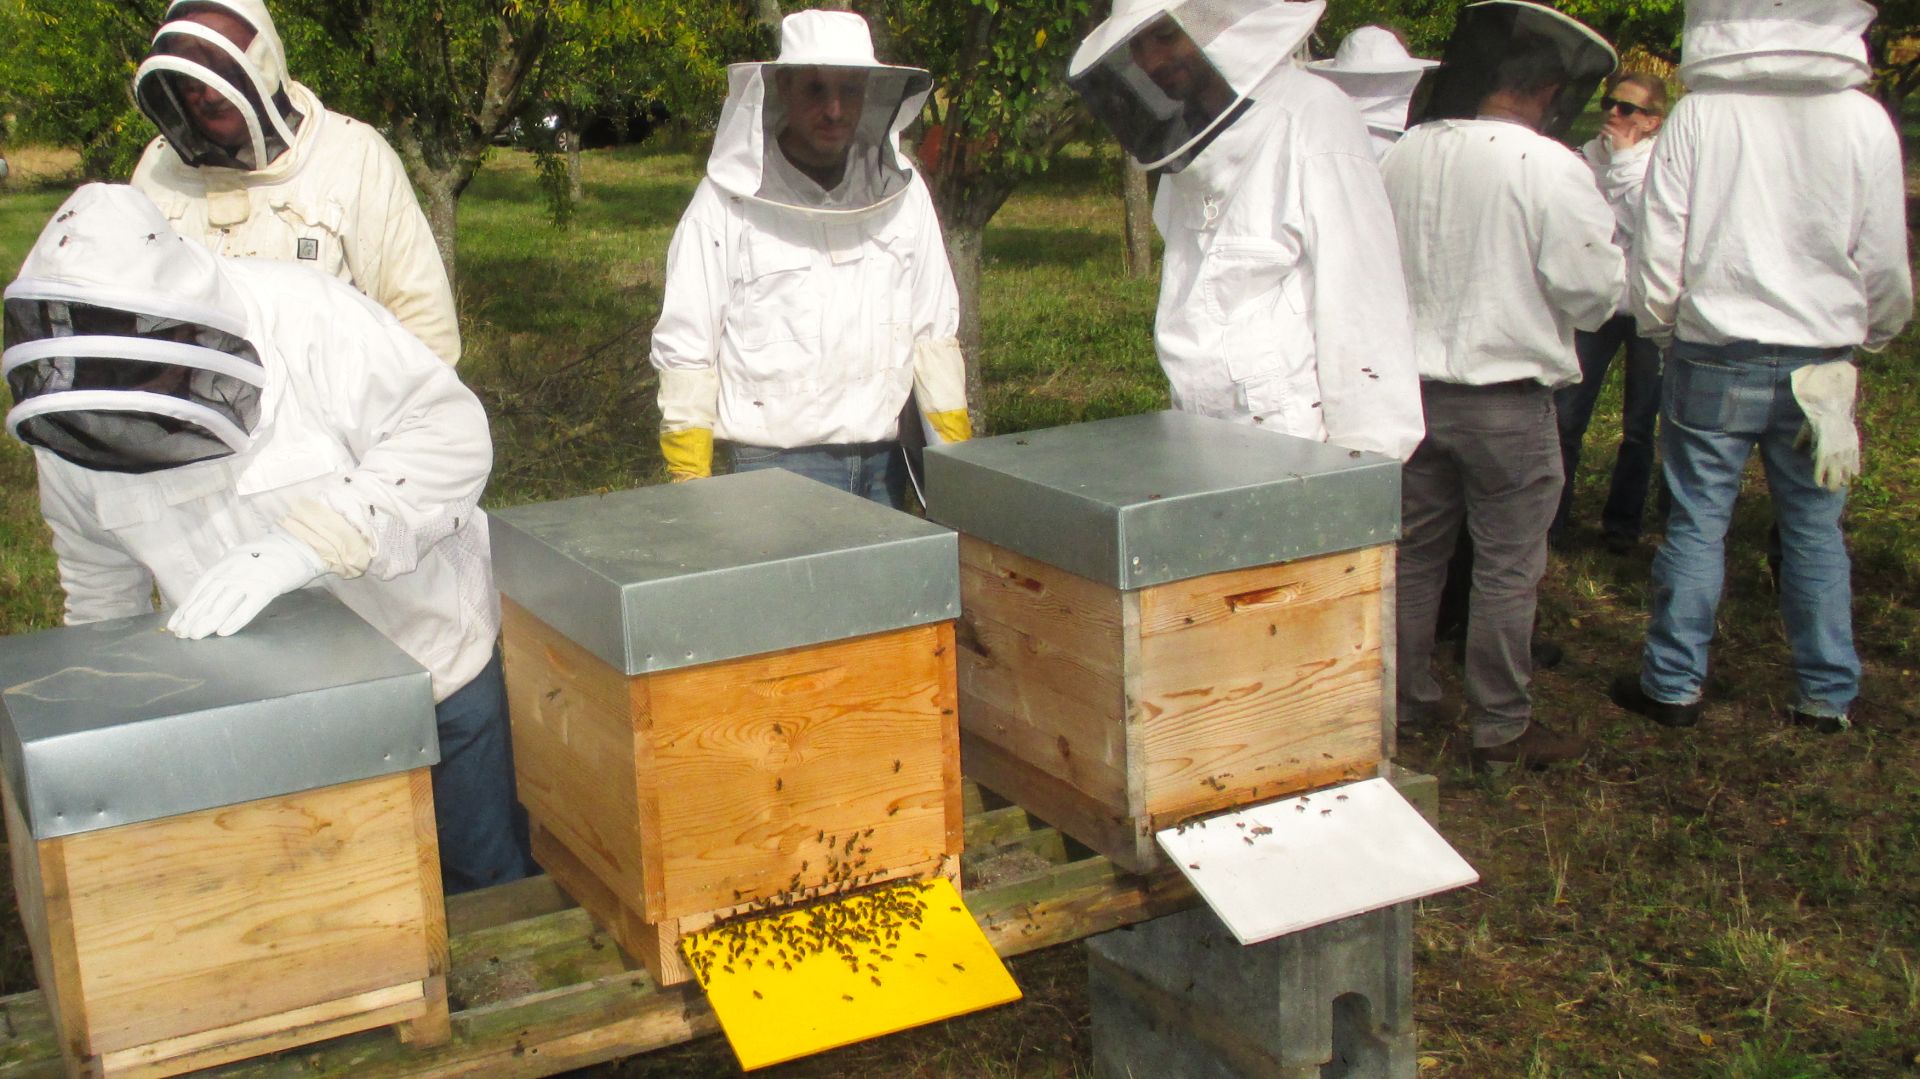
[[1179, 997]]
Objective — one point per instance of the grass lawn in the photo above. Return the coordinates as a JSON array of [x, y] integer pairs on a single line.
[[1738, 901]]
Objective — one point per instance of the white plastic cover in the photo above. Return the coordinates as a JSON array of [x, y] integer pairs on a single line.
[[218, 104], [825, 96], [1165, 76]]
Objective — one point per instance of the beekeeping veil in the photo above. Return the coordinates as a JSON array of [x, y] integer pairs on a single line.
[[1375, 70], [126, 346], [1166, 75], [1787, 44], [1511, 45], [217, 103], [823, 54]]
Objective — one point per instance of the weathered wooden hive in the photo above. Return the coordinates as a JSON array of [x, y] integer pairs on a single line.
[[1168, 615], [729, 694], [223, 848]]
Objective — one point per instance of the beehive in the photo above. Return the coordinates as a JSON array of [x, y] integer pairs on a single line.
[[1168, 615], [223, 848], [729, 694]]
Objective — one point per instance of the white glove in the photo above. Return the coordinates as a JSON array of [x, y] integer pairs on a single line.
[[1825, 392], [242, 583]]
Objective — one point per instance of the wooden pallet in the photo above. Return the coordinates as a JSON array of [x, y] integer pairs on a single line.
[[536, 989]]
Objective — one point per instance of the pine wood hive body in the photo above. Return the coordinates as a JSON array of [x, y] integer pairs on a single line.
[[189, 941], [665, 802], [1168, 615], [1114, 714]]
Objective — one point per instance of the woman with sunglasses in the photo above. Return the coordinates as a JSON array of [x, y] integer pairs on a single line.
[[1634, 106]]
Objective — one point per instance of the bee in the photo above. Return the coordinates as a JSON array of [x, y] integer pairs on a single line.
[[1326, 812], [896, 766], [960, 968], [757, 996], [846, 996], [1341, 798]]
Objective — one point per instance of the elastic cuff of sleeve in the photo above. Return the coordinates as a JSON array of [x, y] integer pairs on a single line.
[[343, 549]]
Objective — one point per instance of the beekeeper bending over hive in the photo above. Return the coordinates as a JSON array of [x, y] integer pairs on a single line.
[[808, 290], [230, 430]]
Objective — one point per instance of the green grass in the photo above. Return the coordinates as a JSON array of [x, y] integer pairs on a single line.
[[1738, 901]]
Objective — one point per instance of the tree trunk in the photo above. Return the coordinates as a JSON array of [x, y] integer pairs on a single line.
[[767, 13], [1139, 207], [442, 207], [575, 189], [963, 253]]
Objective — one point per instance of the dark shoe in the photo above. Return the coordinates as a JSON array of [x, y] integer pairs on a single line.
[[1619, 543], [1546, 654], [1823, 724], [1537, 747], [1626, 693]]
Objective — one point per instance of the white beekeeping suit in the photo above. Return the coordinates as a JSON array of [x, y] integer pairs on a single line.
[[1804, 245], [800, 313], [1506, 240], [1281, 300], [1374, 69], [251, 163], [203, 424]]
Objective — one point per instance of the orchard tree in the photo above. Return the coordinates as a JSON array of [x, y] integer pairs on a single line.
[[446, 78], [68, 76]]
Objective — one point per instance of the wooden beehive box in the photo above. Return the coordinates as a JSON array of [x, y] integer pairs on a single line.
[[729, 694], [224, 848], [1168, 615]]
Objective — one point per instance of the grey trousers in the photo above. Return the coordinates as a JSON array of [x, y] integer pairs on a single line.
[[1490, 460]]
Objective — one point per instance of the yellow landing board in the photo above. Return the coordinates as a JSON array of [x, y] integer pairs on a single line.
[[814, 978]]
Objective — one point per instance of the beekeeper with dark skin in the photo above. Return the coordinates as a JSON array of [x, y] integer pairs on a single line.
[[1508, 248], [250, 163], [1281, 301], [229, 430], [1772, 244], [808, 290]]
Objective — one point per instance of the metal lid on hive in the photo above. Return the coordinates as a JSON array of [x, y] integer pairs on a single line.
[[119, 722], [1143, 500], [674, 576]]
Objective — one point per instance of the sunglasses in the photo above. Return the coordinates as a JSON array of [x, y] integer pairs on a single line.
[[1624, 108]]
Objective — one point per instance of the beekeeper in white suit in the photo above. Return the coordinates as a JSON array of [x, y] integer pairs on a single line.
[[1508, 247], [1372, 66], [1281, 300], [808, 290], [1772, 243], [231, 430], [249, 162]]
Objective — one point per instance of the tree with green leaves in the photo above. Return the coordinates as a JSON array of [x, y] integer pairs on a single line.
[[68, 77], [447, 77]]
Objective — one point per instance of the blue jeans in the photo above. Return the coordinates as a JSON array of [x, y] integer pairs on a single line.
[[857, 468], [1721, 402], [1633, 468], [482, 828]]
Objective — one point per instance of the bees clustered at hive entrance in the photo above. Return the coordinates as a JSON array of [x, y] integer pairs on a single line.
[[859, 930]]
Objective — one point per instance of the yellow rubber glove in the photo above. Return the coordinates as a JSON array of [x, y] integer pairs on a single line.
[[689, 453]]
